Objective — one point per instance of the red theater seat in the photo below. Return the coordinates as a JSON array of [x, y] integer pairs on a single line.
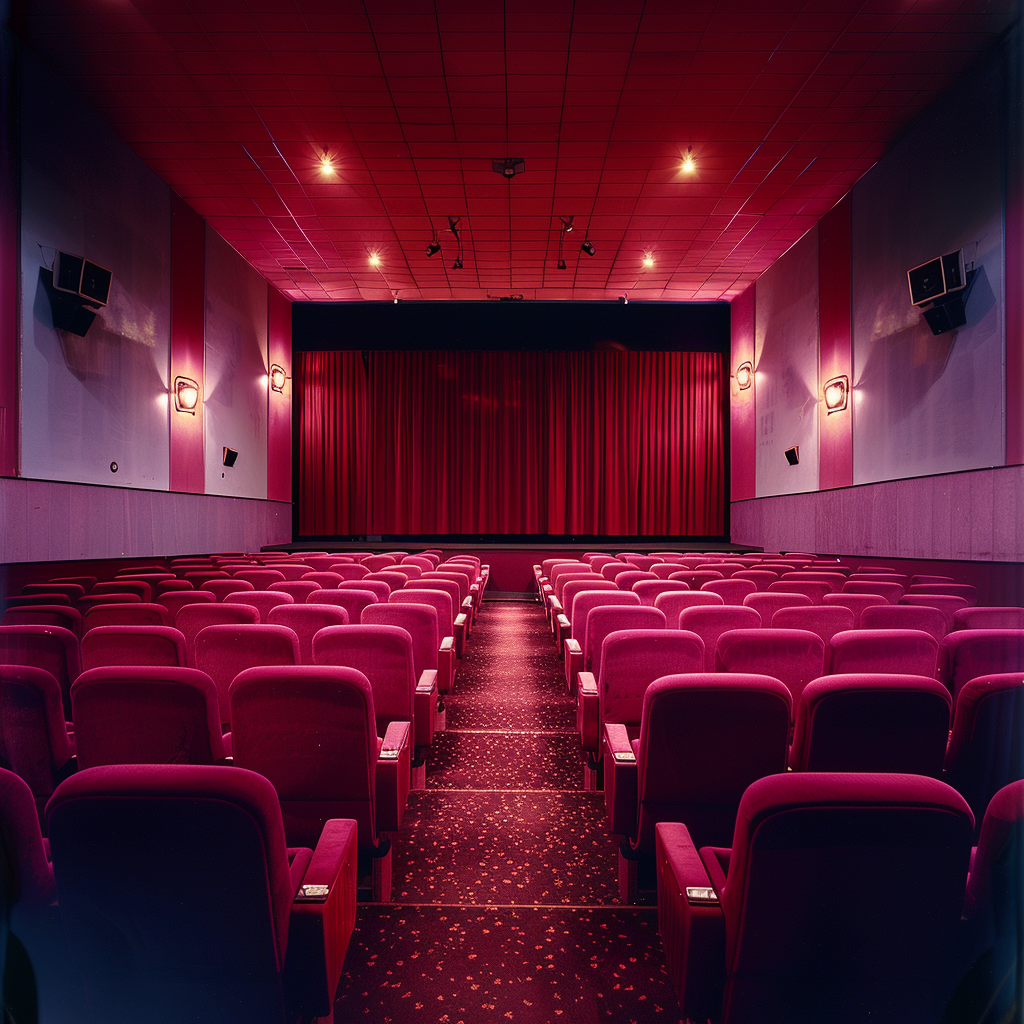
[[818, 618], [711, 621], [305, 621], [52, 648], [133, 645], [795, 656], [969, 653], [909, 652]]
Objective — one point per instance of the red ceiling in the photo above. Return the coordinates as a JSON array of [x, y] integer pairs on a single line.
[[785, 104]]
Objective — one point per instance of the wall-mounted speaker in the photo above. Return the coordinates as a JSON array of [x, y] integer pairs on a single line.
[[793, 455], [79, 276], [229, 456]]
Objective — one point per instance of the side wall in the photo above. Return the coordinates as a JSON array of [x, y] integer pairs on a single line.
[[107, 466], [921, 464]]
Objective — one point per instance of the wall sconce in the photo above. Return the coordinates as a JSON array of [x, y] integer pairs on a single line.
[[744, 375], [837, 394], [278, 377], [186, 395]]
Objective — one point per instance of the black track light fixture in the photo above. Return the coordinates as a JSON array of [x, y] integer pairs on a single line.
[[567, 223], [457, 265], [453, 227], [508, 167], [588, 247], [433, 248], [561, 264]]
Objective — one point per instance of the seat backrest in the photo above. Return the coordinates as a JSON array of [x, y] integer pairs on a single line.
[[311, 730], [384, 655], [969, 653], [644, 562], [259, 578], [349, 598], [910, 652], [665, 569], [410, 572], [291, 571], [605, 619], [549, 564], [648, 590], [72, 591], [174, 889], [377, 562], [222, 588], [394, 580], [795, 656], [418, 620], [709, 622], [823, 619], [988, 617], [892, 592], [194, 617], [904, 616], [378, 588], [146, 715], [704, 738], [440, 601], [965, 590], [948, 604], [461, 578], [792, 954], [348, 570], [261, 600], [673, 602], [857, 603], [131, 613], [222, 651], [44, 615], [578, 585], [560, 569], [872, 722], [29, 881], [34, 742], [299, 589], [835, 580], [631, 659], [47, 647], [142, 590], [695, 579], [133, 645], [731, 590], [609, 570], [566, 578], [175, 600], [767, 603], [420, 561], [986, 747], [724, 568], [813, 589], [585, 600], [305, 621], [445, 586], [761, 578], [625, 580]]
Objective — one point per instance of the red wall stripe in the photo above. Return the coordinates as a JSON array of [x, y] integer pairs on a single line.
[[9, 246], [835, 345], [188, 336], [743, 437], [279, 411]]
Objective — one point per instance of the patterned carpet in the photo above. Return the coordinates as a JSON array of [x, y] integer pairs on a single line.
[[505, 896]]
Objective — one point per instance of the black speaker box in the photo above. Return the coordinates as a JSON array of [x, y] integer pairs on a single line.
[[793, 455], [229, 456]]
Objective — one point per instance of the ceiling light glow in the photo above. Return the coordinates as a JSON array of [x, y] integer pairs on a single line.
[[688, 165]]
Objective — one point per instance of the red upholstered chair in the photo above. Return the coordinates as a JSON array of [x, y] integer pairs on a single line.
[[378, 588], [663, 570], [410, 572], [813, 589], [72, 591], [561, 581], [988, 617], [704, 738], [925, 578], [133, 645], [948, 604], [377, 562], [711, 621], [35, 600], [582, 605], [299, 589], [625, 580], [261, 600], [222, 651], [818, 618], [259, 578], [461, 622], [610, 569], [969, 653], [52, 648], [175, 600], [326, 578], [631, 660], [225, 587], [195, 617], [384, 654], [146, 715], [85, 582], [422, 562], [761, 578], [292, 571], [648, 590], [964, 590], [441, 602], [561, 623], [179, 897], [394, 580], [34, 740], [430, 649], [881, 577], [986, 746], [749, 936], [143, 591], [62, 615], [165, 586], [311, 730], [83, 604], [724, 568], [835, 580], [305, 621], [794, 656], [131, 613], [644, 562], [904, 616], [606, 619], [892, 592], [731, 591], [47, 990], [695, 579], [673, 602], [855, 602], [910, 652], [200, 577], [352, 600], [872, 722], [330, 562], [348, 571], [766, 604]]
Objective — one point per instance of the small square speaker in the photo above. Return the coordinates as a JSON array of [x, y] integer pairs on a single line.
[[793, 455], [229, 456]]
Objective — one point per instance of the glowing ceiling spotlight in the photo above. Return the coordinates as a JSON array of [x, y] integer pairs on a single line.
[[688, 166], [837, 393], [186, 395], [648, 259], [374, 259], [326, 163]]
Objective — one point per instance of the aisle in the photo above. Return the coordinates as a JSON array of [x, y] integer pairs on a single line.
[[505, 896]]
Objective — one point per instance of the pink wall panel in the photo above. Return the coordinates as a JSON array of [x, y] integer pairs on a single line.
[[9, 245], [187, 342], [742, 439], [1014, 242], [279, 411], [835, 430]]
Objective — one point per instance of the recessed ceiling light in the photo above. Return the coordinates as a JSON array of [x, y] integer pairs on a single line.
[[374, 260], [326, 163], [648, 259], [688, 165]]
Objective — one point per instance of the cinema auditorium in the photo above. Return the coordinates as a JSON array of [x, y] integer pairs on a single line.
[[511, 511]]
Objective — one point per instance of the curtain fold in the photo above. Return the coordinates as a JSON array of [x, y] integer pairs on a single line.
[[619, 443]]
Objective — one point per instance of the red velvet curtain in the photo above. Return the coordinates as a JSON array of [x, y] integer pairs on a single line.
[[511, 443]]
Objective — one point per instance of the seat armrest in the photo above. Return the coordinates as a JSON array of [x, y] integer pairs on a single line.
[[321, 922], [556, 606], [425, 705], [446, 665], [562, 629], [620, 780], [588, 713], [716, 863], [690, 922], [573, 662], [391, 776], [460, 634], [554, 610]]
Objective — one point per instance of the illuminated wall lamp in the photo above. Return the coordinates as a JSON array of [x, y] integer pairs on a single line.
[[837, 394], [278, 377], [744, 375], [186, 395]]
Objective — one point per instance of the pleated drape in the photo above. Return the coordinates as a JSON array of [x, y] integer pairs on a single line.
[[586, 443]]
